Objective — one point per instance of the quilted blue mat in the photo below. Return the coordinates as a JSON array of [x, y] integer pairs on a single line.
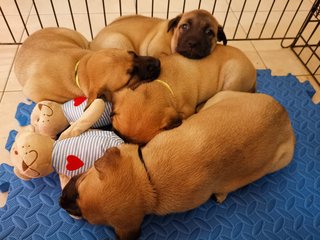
[[283, 205]]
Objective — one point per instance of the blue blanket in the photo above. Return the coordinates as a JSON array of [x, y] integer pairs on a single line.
[[282, 205]]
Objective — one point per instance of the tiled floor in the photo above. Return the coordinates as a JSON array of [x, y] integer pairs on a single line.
[[264, 54]]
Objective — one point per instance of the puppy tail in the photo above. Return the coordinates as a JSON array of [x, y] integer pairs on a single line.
[[173, 22]]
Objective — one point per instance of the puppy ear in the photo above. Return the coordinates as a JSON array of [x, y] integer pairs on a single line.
[[133, 54], [173, 123], [221, 35], [108, 160], [128, 234], [174, 22], [172, 119]]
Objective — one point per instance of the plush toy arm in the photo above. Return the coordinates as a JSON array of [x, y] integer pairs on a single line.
[[88, 118], [63, 180]]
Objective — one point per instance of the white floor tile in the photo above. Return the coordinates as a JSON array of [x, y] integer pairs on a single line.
[[13, 32], [44, 7], [282, 62], [256, 60], [230, 26], [243, 45], [8, 122], [253, 5], [248, 48], [10, 8], [13, 84], [267, 45], [7, 54], [16, 28], [275, 25]]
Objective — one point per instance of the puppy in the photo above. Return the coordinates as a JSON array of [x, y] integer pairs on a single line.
[[140, 114], [193, 34], [234, 140], [55, 64]]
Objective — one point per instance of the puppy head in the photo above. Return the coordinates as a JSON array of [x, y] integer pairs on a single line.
[[138, 115], [195, 34], [109, 193], [106, 71]]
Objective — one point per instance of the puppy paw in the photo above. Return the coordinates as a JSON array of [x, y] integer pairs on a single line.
[[219, 197]]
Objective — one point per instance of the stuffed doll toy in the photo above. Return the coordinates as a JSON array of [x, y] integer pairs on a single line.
[[34, 155], [51, 118]]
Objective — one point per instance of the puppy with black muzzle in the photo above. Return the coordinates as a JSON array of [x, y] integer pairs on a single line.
[[195, 34], [235, 139], [192, 34], [141, 113], [55, 64]]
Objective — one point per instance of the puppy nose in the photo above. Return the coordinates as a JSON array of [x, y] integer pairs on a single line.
[[148, 68], [192, 43], [69, 196], [153, 65]]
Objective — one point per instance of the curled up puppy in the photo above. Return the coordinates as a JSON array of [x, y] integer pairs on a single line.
[[55, 64], [141, 113], [235, 139], [193, 34]]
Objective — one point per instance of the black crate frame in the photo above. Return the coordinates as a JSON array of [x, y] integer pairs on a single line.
[[296, 41], [306, 46]]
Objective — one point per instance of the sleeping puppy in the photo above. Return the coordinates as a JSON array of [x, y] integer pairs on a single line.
[[193, 34], [234, 140], [139, 114], [55, 64]]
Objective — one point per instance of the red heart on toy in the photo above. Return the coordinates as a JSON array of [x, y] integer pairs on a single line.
[[73, 163], [78, 101]]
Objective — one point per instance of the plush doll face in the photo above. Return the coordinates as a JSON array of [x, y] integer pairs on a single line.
[[31, 155], [48, 118]]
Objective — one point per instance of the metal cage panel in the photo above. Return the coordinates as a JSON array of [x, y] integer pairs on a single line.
[[307, 43], [241, 19]]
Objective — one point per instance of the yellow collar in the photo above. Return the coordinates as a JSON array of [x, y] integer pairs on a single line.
[[166, 85], [76, 74]]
